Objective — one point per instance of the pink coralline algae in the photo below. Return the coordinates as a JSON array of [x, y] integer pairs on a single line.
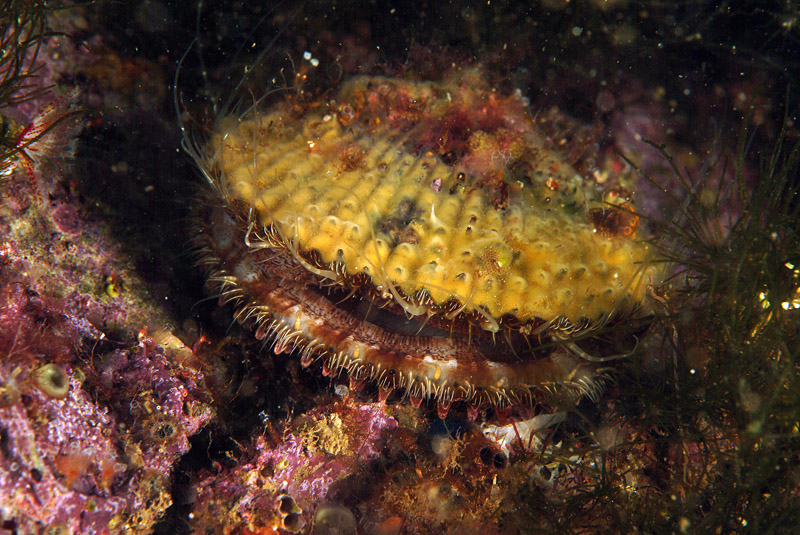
[[311, 464], [92, 419], [43, 441], [168, 403], [69, 457], [71, 462]]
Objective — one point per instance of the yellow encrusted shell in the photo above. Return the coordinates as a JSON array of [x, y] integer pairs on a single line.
[[498, 227]]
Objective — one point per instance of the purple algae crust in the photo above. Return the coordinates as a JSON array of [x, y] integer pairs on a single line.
[[100, 458], [311, 462]]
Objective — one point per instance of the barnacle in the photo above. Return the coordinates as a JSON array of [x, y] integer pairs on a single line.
[[161, 431], [290, 513], [421, 234], [52, 380]]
